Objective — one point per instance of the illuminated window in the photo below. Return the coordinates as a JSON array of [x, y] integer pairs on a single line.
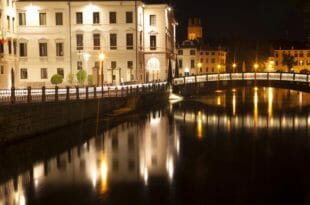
[[43, 73], [43, 49], [59, 49], [79, 41], [79, 17], [23, 73], [112, 16], [22, 19], [96, 41], [96, 18], [129, 41], [113, 41], [59, 18], [42, 19], [22, 49], [152, 20], [129, 17], [153, 42], [60, 71]]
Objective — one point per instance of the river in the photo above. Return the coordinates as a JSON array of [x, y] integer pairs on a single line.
[[243, 146]]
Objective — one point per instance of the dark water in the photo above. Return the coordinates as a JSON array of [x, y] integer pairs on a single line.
[[249, 146]]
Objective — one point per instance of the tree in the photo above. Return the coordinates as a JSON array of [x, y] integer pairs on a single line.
[[169, 79], [289, 61], [56, 79], [81, 76]]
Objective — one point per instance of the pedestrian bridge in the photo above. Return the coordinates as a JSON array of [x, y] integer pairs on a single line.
[[207, 82]]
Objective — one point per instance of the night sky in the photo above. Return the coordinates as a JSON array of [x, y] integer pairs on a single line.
[[242, 19]]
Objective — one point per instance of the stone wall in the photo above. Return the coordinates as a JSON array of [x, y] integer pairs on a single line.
[[17, 122]]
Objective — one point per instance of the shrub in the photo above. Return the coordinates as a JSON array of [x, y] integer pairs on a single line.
[[90, 79], [56, 79], [81, 76]]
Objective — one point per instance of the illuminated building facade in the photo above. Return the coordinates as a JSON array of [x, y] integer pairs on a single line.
[[43, 38], [301, 58], [196, 58]]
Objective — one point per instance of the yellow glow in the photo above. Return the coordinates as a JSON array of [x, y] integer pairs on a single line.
[[300, 98], [199, 65], [170, 168], [199, 125], [234, 103], [256, 66], [234, 65], [255, 107], [104, 174], [145, 176], [101, 56], [270, 101], [218, 100]]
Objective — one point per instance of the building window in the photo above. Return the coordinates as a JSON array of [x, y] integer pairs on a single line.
[[60, 71], [13, 24], [152, 20], [192, 63], [213, 53], [129, 17], [153, 42], [79, 17], [1, 69], [58, 19], [43, 73], [113, 64], [192, 52], [96, 18], [10, 46], [7, 3], [23, 73], [129, 64], [129, 41], [112, 15], [79, 65], [22, 49], [42, 19], [181, 63], [96, 41], [213, 60], [22, 19], [79, 41], [8, 23], [43, 49], [59, 49], [113, 41], [180, 52], [14, 47], [1, 48]]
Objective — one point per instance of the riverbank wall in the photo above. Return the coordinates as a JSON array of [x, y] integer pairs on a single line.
[[22, 121]]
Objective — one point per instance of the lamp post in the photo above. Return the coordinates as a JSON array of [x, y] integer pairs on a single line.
[[101, 58], [234, 65], [255, 69]]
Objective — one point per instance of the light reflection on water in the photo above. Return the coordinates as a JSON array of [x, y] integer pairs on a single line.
[[130, 152], [137, 152]]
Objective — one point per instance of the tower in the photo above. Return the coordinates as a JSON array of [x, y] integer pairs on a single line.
[[194, 29]]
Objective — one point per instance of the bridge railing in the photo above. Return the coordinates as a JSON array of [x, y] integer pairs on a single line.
[[27, 95], [294, 77]]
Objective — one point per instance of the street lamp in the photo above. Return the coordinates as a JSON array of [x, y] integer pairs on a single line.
[[218, 68], [101, 58], [234, 65]]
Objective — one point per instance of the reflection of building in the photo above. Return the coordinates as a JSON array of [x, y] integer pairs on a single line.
[[43, 38], [196, 58], [301, 58]]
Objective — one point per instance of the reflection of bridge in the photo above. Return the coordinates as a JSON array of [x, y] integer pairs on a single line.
[[223, 80]]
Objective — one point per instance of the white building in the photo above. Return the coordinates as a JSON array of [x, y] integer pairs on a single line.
[[50, 37]]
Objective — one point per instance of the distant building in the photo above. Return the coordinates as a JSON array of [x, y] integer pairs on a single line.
[[307, 21], [194, 57], [301, 58], [43, 38]]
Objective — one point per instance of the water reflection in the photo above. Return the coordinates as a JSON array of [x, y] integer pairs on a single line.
[[128, 153]]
